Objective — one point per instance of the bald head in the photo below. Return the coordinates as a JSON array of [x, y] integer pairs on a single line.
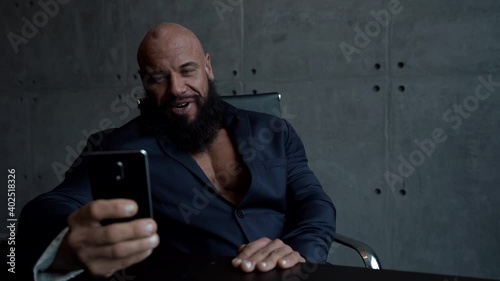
[[174, 68], [164, 38]]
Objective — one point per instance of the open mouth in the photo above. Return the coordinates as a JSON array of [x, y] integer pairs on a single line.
[[182, 105]]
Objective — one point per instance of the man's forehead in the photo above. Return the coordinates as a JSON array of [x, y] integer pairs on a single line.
[[160, 60], [176, 50]]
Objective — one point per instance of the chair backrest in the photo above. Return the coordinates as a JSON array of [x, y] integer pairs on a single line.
[[266, 103]]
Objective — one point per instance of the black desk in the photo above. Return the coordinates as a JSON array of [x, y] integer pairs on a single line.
[[220, 269], [192, 268]]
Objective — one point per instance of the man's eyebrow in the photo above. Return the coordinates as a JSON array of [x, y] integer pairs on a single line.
[[189, 64], [184, 65], [157, 72]]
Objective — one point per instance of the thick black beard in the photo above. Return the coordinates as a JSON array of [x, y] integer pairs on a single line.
[[189, 136]]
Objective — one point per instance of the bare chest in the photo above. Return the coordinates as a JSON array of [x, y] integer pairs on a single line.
[[225, 169]]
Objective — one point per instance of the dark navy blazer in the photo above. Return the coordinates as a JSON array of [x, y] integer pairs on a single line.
[[285, 199]]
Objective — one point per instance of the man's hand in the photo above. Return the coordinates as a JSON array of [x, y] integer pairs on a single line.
[[265, 254], [103, 250]]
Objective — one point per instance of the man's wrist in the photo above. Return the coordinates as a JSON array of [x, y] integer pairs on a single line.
[[65, 260], [41, 270]]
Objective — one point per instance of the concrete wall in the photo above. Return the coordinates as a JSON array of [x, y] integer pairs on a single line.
[[366, 83]]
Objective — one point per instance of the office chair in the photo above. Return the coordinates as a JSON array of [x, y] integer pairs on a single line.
[[270, 103]]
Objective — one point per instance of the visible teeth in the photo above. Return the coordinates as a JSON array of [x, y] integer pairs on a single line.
[[182, 105]]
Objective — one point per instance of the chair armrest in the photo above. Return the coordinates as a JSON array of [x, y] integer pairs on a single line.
[[366, 253]]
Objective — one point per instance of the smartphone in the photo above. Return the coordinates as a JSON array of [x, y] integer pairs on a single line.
[[121, 174]]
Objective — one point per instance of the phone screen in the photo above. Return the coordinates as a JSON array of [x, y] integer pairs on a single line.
[[122, 174]]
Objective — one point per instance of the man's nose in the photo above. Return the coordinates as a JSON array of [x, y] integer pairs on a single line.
[[177, 85]]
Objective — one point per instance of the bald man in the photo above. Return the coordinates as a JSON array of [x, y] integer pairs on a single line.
[[263, 206]]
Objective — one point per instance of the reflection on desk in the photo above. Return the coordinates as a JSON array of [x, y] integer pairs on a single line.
[[193, 268]]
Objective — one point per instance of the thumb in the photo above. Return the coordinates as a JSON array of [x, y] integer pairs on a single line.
[[241, 248], [92, 213]]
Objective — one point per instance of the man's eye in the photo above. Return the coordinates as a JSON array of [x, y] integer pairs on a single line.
[[159, 79], [187, 71]]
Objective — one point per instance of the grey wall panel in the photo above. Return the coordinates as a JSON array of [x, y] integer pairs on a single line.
[[304, 39], [80, 46], [445, 219], [15, 150], [440, 37], [229, 88], [62, 122], [11, 47], [220, 35]]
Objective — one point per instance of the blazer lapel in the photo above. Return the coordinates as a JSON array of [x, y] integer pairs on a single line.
[[239, 127], [183, 158]]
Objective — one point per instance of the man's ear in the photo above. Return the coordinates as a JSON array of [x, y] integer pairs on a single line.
[[208, 67]]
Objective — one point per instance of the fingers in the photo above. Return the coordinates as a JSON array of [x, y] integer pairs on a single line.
[[105, 249], [92, 213], [290, 260], [265, 254], [121, 245], [106, 267], [257, 251], [120, 250], [113, 233]]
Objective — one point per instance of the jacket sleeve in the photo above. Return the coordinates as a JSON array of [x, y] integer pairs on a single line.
[[310, 217], [44, 217]]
